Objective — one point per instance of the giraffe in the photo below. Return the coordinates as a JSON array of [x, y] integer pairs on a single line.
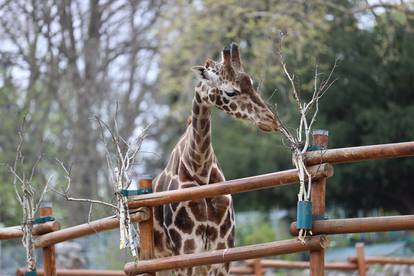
[[206, 224]]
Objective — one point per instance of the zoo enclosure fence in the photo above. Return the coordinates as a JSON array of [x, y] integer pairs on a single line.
[[320, 165]]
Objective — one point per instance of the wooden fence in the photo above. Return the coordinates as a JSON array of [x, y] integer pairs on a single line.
[[359, 263], [320, 166]]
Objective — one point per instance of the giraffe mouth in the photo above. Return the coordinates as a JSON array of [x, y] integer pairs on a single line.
[[268, 127]]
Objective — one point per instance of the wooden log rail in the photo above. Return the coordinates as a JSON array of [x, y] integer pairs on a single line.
[[241, 270], [15, 232], [85, 229], [384, 260], [362, 153], [226, 255], [351, 265], [360, 225], [305, 265], [228, 187], [75, 272], [282, 264]]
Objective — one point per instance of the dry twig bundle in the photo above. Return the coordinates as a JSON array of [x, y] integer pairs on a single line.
[[119, 164], [299, 143], [26, 195]]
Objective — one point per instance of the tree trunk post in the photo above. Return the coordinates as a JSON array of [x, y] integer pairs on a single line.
[[49, 257], [317, 257], [257, 267], [146, 228], [360, 254]]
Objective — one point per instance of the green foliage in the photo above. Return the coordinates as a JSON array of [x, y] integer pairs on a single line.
[[257, 229], [371, 101]]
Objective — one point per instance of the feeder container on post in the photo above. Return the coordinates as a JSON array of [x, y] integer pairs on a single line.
[[320, 138]]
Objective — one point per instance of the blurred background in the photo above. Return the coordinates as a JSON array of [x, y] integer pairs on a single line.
[[63, 62]]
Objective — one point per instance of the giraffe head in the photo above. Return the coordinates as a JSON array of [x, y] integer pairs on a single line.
[[225, 85]]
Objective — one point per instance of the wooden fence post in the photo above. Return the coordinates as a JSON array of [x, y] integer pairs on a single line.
[[146, 228], [317, 257], [360, 254], [49, 257], [257, 267]]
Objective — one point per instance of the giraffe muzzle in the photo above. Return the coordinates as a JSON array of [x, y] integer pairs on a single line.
[[268, 127]]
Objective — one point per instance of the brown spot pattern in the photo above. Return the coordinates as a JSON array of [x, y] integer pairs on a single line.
[[217, 207], [230, 241], [168, 214], [175, 239], [183, 221], [201, 229], [224, 228], [173, 185], [159, 213], [160, 183], [189, 246], [196, 109], [218, 101], [215, 176], [188, 185], [184, 174], [198, 208], [203, 123], [211, 233], [197, 96], [158, 240], [221, 245]]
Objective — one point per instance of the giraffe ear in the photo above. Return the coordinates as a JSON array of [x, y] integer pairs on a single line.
[[200, 71]]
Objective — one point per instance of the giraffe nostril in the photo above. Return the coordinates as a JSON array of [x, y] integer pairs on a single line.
[[276, 125]]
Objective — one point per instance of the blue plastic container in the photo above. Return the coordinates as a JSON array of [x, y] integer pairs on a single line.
[[304, 215]]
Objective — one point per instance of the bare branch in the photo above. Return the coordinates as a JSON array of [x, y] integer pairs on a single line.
[[65, 194], [45, 190]]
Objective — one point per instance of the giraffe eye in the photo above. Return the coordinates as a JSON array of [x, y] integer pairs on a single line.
[[232, 93]]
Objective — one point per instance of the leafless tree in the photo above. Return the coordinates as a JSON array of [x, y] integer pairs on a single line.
[[299, 141], [29, 198], [73, 59], [120, 162]]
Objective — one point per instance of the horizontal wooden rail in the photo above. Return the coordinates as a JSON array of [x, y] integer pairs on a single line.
[[385, 260], [241, 270], [304, 265], [76, 272], [85, 229], [359, 225], [15, 232], [226, 255], [228, 187], [363, 153]]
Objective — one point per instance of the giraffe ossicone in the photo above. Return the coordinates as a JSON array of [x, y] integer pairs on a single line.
[[206, 224]]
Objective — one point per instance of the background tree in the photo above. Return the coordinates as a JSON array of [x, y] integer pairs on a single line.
[[370, 103], [65, 61]]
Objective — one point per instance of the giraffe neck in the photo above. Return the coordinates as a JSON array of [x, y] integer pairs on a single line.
[[198, 153]]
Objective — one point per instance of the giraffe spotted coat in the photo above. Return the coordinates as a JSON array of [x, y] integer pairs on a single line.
[[205, 224]]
